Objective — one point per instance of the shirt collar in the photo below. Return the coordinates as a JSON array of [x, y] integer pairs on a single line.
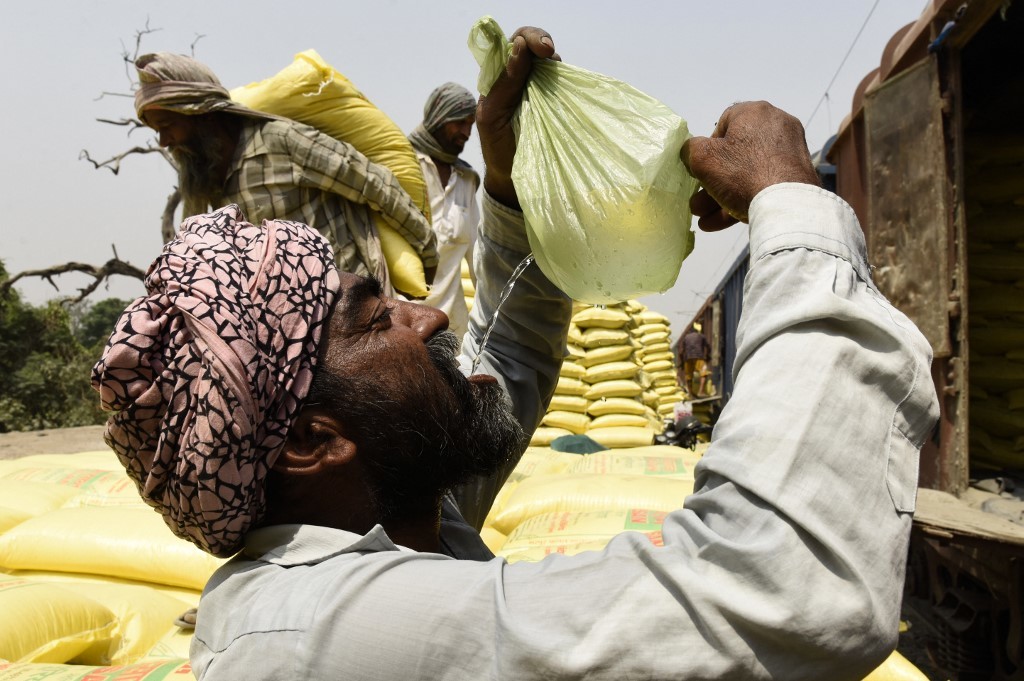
[[310, 544]]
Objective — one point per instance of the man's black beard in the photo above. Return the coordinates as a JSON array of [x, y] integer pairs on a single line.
[[202, 162], [414, 452]]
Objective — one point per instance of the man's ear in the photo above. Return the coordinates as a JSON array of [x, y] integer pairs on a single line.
[[315, 442]]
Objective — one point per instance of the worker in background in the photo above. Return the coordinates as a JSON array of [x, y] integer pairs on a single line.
[[696, 351], [322, 455], [274, 168], [448, 118]]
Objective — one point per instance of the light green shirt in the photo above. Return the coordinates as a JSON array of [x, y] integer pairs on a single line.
[[787, 562]]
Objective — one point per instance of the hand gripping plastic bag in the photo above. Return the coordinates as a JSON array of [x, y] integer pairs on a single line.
[[598, 174]]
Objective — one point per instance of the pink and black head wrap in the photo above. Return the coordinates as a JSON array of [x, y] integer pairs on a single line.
[[208, 371]]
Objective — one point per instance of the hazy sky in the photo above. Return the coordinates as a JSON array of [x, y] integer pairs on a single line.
[[697, 57]]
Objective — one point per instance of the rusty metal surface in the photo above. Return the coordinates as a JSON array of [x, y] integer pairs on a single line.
[[908, 199]]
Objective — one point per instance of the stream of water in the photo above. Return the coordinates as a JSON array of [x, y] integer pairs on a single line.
[[505, 292]]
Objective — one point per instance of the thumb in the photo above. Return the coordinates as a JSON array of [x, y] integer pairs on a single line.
[[687, 152], [700, 156]]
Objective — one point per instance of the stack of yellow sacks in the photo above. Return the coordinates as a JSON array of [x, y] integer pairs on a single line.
[[994, 199], [653, 332], [618, 381], [91, 580], [560, 503]]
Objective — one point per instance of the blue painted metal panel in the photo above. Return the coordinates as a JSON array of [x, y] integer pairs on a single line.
[[730, 297]]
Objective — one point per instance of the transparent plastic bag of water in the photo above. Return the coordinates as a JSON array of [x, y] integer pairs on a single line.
[[598, 175]]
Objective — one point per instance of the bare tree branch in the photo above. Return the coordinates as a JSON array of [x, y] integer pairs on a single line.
[[113, 164], [135, 123], [192, 47], [167, 219], [129, 58], [114, 266]]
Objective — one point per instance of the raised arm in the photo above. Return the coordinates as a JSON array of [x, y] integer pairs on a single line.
[[526, 347]]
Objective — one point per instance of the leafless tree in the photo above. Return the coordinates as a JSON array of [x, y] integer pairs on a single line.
[[116, 266]]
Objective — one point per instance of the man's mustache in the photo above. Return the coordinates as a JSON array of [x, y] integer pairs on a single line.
[[443, 347]]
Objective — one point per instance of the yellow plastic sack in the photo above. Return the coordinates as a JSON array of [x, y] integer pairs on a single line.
[[102, 459], [664, 377], [573, 422], [652, 317], [622, 436], [9, 517], [404, 264], [653, 348], [617, 405], [666, 450], [157, 670], [657, 357], [542, 461], [608, 353], [571, 386], [174, 644], [532, 554], [493, 539], [653, 338], [144, 616], [896, 668], [42, 622], [622, 387], [579, 492], [130, 543], [611, 371], [606, 317], [574, 334], [77, 478], [577, 527], [542, 437], [644, 329], [33, 498], [188, 596], [659, 365], [669, 464], [312, 92], [597, 337], [619, 421], [597, 171], [574, 403], [571, 369]]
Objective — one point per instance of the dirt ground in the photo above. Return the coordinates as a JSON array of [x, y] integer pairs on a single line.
[[56, 441]]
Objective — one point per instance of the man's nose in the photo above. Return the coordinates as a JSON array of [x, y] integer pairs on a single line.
[[423, 319], [165, 139]]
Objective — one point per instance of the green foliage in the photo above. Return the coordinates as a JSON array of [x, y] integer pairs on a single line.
[[97, 321], [46, 361]]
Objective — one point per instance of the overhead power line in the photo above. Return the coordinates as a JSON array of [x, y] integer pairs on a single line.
[[828, 87]]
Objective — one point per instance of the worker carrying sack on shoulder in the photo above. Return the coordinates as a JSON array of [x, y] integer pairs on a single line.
[[598, 174], [311, 91]]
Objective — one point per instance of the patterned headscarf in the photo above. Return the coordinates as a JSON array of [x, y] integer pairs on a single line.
[[208, 371], [449, 102], [183, 85]]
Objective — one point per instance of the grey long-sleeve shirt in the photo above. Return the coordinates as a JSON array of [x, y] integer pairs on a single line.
[[787, 561]]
